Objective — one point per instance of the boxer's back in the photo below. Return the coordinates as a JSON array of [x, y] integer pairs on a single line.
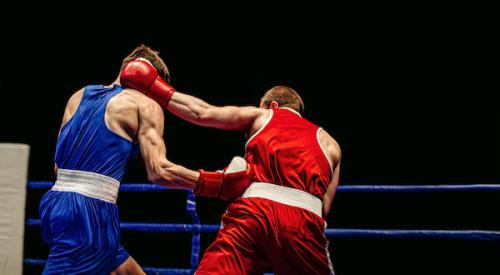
[[99, 135], [286, 151]]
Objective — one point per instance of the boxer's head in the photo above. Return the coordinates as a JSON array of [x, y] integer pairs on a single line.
[[152, 56], [282, 96]]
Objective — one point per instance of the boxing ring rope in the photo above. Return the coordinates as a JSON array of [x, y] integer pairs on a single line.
[[196, 228], [143, 187]]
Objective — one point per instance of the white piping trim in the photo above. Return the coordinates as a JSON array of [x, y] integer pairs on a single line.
[[284, 195], [323, 149], [330, 265], [261, 128], [291, 110]]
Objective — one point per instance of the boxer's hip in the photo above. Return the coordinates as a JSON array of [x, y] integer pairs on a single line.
[[80, 211], [285, 195], [69, 215], [270, 208], [83, 233]]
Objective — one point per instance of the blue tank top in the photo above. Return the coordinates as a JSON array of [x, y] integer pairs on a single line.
[[87, 144]]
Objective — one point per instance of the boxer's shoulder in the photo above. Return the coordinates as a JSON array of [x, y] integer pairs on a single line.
[[72, 105], [262, 117], [75, 98], [125, 110], [130, 98], [331, 145]]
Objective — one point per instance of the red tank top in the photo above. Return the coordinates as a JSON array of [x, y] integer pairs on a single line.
[[287, 152]]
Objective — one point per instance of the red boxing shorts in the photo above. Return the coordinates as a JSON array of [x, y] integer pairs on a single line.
[[271, 226]]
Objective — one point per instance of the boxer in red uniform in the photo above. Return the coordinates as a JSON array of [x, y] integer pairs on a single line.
[[279, 220]]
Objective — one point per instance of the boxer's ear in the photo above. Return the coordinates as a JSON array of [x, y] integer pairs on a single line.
[[273, 105]]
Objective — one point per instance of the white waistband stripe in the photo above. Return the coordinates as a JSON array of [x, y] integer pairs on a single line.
[[285, 195], [87, 183]]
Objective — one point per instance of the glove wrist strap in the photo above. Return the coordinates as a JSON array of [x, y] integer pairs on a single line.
[[162, 92], [209, 184]]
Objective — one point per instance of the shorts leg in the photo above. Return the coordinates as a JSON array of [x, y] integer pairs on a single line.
[[235, 251], [300, 246], [44, 210], [302, 256], [121, 256], [82, 233]]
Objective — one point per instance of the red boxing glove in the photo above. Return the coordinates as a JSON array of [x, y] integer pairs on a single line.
[[140, 75], [228, 184]]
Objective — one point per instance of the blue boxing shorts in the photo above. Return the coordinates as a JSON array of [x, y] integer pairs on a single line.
[[83, 232]]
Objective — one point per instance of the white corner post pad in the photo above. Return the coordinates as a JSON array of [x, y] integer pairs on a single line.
[[13, 179]]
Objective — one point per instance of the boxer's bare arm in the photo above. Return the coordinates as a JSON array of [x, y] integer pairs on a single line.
[[330, 192], [334, 154], [247, 119], [142, 76], [150, 137]]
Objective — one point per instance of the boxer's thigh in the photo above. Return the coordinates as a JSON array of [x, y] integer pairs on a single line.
[[125, 265], [235, 250], [301, 246], [84, 235]]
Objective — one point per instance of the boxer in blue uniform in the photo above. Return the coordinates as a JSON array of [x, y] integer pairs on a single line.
[[103, 128]]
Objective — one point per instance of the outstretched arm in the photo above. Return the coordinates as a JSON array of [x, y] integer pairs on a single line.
[[201, 113], [160, 170], [142, 76]]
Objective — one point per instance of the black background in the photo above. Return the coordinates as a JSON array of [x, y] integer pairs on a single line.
[[404, 93]]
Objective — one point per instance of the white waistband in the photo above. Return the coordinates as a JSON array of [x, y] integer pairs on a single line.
[[285, 195], [90, 184]]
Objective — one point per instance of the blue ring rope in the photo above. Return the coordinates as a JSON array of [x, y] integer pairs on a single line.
[[195, 239], [418, 188], [144, 187], [480, 235], [336, 232]]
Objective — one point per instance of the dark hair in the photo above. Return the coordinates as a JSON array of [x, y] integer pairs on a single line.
[[143, 51], [285, 96]]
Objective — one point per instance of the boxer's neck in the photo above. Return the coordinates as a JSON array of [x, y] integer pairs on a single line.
[[117, 82]]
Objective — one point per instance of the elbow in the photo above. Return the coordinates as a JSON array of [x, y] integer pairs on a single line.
[[154, 178], [167, 175], [325, 213], [160, 178], [327, 206], [165, 178], [158, 171]]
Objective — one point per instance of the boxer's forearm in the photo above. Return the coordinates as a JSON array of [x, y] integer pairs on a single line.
[[188, 108], [330, 192], [160, 169], [199, 112], [177, 177]]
